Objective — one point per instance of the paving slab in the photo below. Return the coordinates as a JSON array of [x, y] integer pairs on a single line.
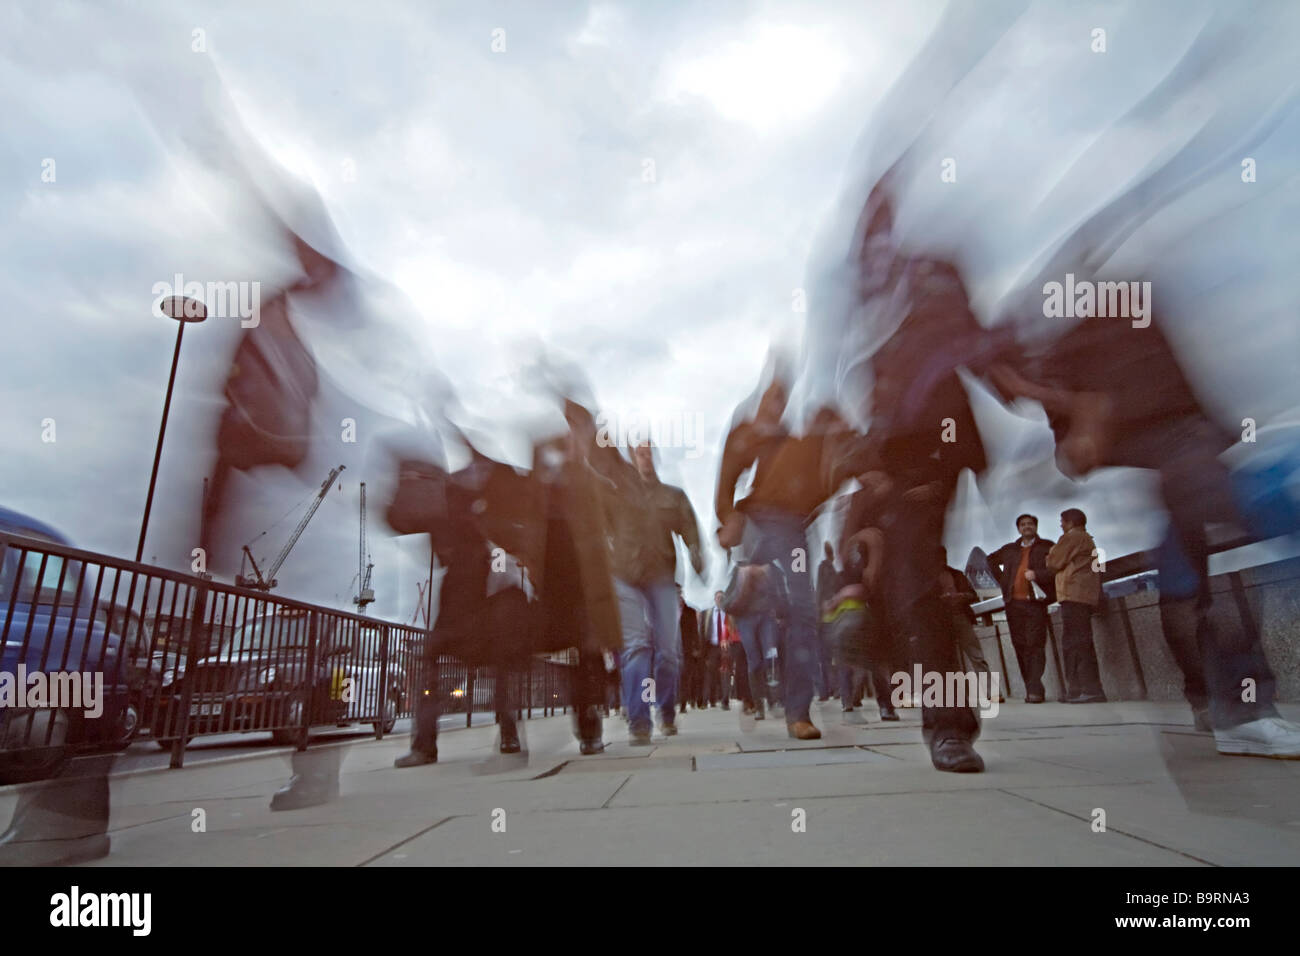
[[734, 791]]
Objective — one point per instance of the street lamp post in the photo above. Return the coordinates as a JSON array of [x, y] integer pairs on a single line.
[[184, 311]]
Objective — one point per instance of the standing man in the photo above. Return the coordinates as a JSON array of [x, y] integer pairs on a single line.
[[828, 583], [644, 514], [689, 625], [1017, 565], [718, 631], [1078, 588]]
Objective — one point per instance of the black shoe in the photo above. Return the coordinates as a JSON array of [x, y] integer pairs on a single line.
[[1086, 699], [726, 705], [416, 758], [52, 852], [589, 747], [303, 791], [510, 744], [955, 755], [888, 713], [1033, 698]]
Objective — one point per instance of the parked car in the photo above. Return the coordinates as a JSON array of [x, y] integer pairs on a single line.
[[259, 680], [48, 624], [151, 664]]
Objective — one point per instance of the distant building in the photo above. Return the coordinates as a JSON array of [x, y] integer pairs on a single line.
[[981, 575]]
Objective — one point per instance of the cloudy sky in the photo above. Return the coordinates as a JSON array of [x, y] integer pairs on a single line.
[[649, 190]]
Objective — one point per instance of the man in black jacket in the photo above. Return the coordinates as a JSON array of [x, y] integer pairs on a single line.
[[692, 653], [1019, 566]]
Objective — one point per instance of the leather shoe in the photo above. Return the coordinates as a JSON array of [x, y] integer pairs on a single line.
[[955, 755], [1033, 698], [416, 758], [803, 730], [589, 747], [888, 713]]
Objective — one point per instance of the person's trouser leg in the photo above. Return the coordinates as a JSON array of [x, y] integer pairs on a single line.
[[1027, 621], [778, 539], [711, 664], [931, 625], [1197, 489], [506, 697], [427, 705], [775, 651], [588, 689], [968, 643], [740, 668], [637, 656], [1080, 653], [665, 624]]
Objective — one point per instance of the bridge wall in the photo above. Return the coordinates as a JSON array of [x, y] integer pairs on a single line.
[[1134, 659]]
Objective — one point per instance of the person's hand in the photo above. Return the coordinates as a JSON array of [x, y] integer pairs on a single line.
[[922, 493], [877, 483], [732, 529], [1029, 575]]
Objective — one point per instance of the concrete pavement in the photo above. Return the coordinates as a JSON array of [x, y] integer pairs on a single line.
[[728, 790]]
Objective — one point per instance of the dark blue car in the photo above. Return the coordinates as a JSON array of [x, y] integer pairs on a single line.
[[49, 624]]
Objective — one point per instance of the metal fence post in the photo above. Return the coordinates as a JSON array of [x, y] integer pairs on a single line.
[[192, 657], [313, 656], [382, 693]]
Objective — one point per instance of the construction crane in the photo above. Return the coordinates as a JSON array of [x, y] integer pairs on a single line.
[[365, 594], [265, 582]]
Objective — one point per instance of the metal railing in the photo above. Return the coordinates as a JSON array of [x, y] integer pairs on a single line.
[[183, 656]]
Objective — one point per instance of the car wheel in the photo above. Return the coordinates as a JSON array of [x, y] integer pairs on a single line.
[[128, 724], [165, 743], [26, 762], [391, 706]]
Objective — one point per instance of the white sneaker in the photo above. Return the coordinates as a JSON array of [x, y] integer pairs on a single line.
[[1266, 737]]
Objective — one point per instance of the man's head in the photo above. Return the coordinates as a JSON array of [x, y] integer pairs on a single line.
[[717, 598], [1073, 518], [772, 405], [1027, 525], [644, 457], [829, 551]]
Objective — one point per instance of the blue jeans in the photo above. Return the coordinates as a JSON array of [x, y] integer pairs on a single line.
[[772, 537], [760, 637], [651, 642]]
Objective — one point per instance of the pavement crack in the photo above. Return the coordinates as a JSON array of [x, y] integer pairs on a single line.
[[399, 843], [605, 805], [1109, 829], [552, 772]]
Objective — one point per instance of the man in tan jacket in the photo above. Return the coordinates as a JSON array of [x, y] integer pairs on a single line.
[[1078, 588]]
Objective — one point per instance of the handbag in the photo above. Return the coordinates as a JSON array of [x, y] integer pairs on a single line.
[[745, 591]]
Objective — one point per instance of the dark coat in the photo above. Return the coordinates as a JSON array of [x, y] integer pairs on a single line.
[[690, 626], [1006, 559]]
